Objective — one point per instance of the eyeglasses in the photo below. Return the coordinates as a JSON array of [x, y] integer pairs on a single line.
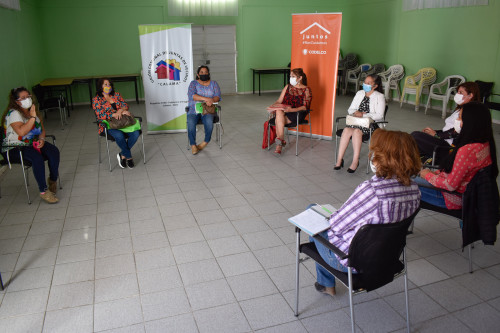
[[22, 99]]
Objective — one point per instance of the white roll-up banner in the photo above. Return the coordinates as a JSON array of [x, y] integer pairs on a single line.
[[167, 70]]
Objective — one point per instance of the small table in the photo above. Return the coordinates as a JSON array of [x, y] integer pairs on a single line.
[[123, 78], [60, 82], [85, 80], [276, 70]]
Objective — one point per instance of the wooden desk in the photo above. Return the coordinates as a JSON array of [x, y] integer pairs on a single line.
[[123, 78], [276, 70], [85, 80], [60, 82]]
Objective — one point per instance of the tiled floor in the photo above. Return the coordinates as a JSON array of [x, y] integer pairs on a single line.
[[202, 244]]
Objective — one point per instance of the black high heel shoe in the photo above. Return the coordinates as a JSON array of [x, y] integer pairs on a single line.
[[351, 170], [339, 167]]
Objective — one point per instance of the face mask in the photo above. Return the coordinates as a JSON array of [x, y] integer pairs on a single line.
[[372, 166], [293, 81], [459, 99], [27, 103], [106, 90], [457, 125], [205, 77], [367, 87]]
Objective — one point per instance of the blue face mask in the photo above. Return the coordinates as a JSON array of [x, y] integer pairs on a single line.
[[367, 87]]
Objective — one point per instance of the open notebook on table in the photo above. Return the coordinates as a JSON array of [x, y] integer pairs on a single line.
[[313, 220]]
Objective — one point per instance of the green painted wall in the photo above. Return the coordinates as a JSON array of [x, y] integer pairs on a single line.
[[71, 38], [23, 53]]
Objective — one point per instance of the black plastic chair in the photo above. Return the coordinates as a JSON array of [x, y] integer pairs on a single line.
[[104, 134], [488, 204], [303, 118], [25, 165], [375, 254], [47, 102], [366, 138], [485, 89], [217, 122]]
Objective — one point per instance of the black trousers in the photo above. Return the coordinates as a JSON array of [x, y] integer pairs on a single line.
[[426, 144]]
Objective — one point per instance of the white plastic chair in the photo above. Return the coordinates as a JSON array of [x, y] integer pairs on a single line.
[[418, 84], [376, 69], [390, 80], [444, 91], [354, 74]]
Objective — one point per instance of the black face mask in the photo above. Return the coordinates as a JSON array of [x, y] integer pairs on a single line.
[[204, 77]]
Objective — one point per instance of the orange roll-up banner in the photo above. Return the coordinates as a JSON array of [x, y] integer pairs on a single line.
[[315, 48]]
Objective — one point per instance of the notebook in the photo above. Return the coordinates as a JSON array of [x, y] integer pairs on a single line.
[[313, 220]]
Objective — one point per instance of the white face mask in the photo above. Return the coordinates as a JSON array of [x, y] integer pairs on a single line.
[[27, 103], [293, 81], [459, 99], [457, 125], [372, 166]]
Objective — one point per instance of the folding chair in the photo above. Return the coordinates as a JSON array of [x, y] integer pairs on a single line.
[[375, 255], [104, 134], [303, 118], [25, 165]]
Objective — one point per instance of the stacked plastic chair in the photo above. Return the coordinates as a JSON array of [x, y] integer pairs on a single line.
[[444, 91], [390, 80], [418, 84], [353, 76], [349, 62], [376, 69]]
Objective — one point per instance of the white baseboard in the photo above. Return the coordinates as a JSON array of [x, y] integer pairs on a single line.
[[257, 92], [314, 136]]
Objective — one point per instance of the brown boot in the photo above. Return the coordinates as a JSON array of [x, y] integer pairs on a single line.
[[202, 145], [49, 197], [52, 185], [194, 149]]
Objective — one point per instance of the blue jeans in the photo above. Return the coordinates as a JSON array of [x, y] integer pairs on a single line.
[[48, 152], [324, 277], [208, 124], [432, 196], [124, 140]]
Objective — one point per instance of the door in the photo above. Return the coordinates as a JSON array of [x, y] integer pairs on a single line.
[[215, 46]]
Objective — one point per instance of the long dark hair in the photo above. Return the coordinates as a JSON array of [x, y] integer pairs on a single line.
[[100, 82], [378, 81], [300, 72], [476, 128], [13, 97]]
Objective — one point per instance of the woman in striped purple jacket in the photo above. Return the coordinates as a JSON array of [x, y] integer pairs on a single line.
[[389, 196]]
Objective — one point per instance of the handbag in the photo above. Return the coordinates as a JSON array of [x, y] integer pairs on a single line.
[[124, 121], [208, 109], [357, 121]]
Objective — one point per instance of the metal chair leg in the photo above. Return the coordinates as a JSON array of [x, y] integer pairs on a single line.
[[310, 132], [406, 293], [1, 283], [99, 145], [297, 265], [297, 140], [107, 148], [25, 180], [143, 150], [349, 273]]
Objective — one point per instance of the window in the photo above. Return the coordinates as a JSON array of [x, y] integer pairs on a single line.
[[203, 7]]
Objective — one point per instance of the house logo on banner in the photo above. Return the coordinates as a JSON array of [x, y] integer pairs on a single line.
[[170, 70], [314, 34]]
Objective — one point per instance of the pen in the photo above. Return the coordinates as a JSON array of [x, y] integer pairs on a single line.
[[326, 210]]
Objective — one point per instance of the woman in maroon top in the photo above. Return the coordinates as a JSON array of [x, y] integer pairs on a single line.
[[297, 95]]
